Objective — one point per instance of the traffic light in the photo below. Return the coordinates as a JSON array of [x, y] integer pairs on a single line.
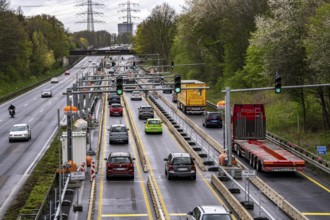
[[177, 83], [113, 64], [133, 64], [172, 64], [119, 85], [278, 84]]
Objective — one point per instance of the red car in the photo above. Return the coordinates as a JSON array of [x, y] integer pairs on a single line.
[[119, 164], [116, 109]]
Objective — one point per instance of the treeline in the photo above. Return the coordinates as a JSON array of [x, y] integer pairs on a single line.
[[244, 43], [31, 47]]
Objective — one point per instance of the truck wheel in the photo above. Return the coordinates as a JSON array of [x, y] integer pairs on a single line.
[[258, 166], [251, 160], [238, 152]]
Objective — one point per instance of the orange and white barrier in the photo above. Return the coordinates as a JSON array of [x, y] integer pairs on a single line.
[[93, 170]]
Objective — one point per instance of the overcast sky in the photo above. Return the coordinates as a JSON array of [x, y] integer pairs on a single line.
[[67, 11]]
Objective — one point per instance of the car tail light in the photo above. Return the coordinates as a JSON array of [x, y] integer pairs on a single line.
[[170, 167], [193, 167]]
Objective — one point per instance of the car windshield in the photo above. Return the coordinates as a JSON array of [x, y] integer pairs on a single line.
[[120, 159], [182, 161], [19, 128], [216, 217], [146, 108], [154, 122], [214, 116], [115, 106], [118, 129]]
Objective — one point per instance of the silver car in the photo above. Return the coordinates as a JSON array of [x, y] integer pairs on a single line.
[[209, 212], [180, 165], [46, 93], [118, 133], [136, 95], [20, 132]]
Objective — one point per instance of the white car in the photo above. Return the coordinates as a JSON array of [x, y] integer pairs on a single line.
[[46, 93], [54, 80], [204, 212], [136, 95], [20, 132]]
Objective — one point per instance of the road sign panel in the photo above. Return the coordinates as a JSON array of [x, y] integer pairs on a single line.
[[322, 150], [77, 176], [248, 173]]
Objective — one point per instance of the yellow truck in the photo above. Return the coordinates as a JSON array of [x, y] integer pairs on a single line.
[[192, 101]]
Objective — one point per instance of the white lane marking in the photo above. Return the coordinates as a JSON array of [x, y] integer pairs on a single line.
[[30, 120], [41, 110], [26, 104]]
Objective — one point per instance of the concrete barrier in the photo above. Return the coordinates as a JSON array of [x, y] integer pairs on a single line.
[[178, 136], [155, 200], [284, 205], [136, 137], [233, 202]]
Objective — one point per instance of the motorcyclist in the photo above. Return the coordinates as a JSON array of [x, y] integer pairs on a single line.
[[12, 107]]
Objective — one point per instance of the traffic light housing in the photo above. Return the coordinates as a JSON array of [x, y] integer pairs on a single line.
[[172, 64], [134, 64], [113, 64], [278, 84], [119, 85], [177, 83]]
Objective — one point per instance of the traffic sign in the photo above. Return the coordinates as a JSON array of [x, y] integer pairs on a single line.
[[77, 176], [248, 173], [322, 150]]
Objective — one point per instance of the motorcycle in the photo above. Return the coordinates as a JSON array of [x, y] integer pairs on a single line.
[[12, 112]]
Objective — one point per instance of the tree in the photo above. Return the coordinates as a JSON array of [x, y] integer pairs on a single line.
[[317, 43], [156, 33]]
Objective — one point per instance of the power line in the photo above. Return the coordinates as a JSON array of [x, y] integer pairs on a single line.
[[90, 14]]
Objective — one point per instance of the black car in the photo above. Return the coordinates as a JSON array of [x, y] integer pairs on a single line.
[[212, 119], [113, 98]]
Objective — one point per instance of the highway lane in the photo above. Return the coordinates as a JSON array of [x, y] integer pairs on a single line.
[[306, 191], [130, 199], [18, 158], [179, 195], [121, 197]]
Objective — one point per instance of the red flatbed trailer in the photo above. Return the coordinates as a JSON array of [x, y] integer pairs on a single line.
[[249, 141]]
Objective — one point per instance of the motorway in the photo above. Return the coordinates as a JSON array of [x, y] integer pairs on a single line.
[[130, 199], [17, 159]]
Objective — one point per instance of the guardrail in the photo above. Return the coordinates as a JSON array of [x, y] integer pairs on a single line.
[[311, 158], [155, 200], [136, 138]]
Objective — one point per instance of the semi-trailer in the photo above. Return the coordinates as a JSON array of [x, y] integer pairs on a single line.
[[249, 141]]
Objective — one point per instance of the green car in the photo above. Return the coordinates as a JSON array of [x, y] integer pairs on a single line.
[[153, 125]]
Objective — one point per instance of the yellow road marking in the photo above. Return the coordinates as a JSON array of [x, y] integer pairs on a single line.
[[102, 163], [156, 184], [178, 214], [202, 176], [139, 170], [316, 213], [315, 182], [124, 215]]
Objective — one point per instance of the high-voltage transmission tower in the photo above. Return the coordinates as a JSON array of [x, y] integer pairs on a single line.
[[90, 14], [129, 11]]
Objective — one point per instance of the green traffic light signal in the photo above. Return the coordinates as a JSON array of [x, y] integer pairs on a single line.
[[177, 83], [278, 84], [119, 85]]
